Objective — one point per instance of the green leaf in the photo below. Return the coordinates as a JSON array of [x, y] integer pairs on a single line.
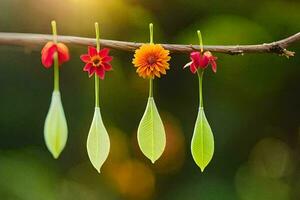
[[98, 143], [203, 141], [151, 134], [55, 129]]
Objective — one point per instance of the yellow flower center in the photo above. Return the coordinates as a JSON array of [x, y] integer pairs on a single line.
[[96, 60]]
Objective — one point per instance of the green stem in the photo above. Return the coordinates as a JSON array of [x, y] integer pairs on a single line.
[[151, 33], [54, 31], [97, 36], [56, 73], [55, 58], [96, 77], [96, 91], [151, 79], [200, 40], [200, 73], [151, 87]]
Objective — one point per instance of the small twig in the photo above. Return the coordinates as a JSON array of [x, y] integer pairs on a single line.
[[29, 40]]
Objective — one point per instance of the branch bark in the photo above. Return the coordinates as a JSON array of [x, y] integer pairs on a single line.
[[31, 40]]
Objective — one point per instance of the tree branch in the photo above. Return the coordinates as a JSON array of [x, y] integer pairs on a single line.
[[31, 40]]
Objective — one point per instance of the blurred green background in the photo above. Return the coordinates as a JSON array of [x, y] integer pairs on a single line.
[[252, 103]]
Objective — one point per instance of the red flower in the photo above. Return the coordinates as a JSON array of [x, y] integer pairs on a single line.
[[97, 62], [48, 52], [202, 61]]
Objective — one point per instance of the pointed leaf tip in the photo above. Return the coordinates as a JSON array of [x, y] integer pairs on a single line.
[[98, 143], [202, 145], [55, 128], [151, 133]]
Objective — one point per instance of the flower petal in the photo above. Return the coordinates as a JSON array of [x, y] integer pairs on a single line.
[[92, 51], [193, 68], [85, 58], [195, 57], [107, 66], [211, 60], [204, 60], [47, 54], [63, 53], [213, 65], [91, 71], [47, 46], [187, 64], [107, 59], [103, 52], [100, 72], [156, 73], [87, 67]]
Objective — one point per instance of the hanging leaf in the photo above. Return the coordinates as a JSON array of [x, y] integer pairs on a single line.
[[55, 129], [98, 143], [203, 141], [151, 133]]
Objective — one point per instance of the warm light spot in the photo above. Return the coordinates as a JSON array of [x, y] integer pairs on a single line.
[[133, 179], [173, 157]]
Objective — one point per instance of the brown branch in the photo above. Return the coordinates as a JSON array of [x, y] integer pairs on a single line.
[[31, 40]]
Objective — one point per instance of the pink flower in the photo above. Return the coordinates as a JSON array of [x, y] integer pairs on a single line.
[[48, 53], [201, 61], [97, 62]]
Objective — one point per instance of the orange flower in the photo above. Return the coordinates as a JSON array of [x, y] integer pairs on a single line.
[[151, 60]]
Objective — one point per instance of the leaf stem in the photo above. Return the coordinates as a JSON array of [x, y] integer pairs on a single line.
[[151, 79], [200, 73], [200, 40], [96, 91], [56, 73], [54, 31], [151, 33], [96, 77], [55, 58], [97, 36], [151, 87]]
